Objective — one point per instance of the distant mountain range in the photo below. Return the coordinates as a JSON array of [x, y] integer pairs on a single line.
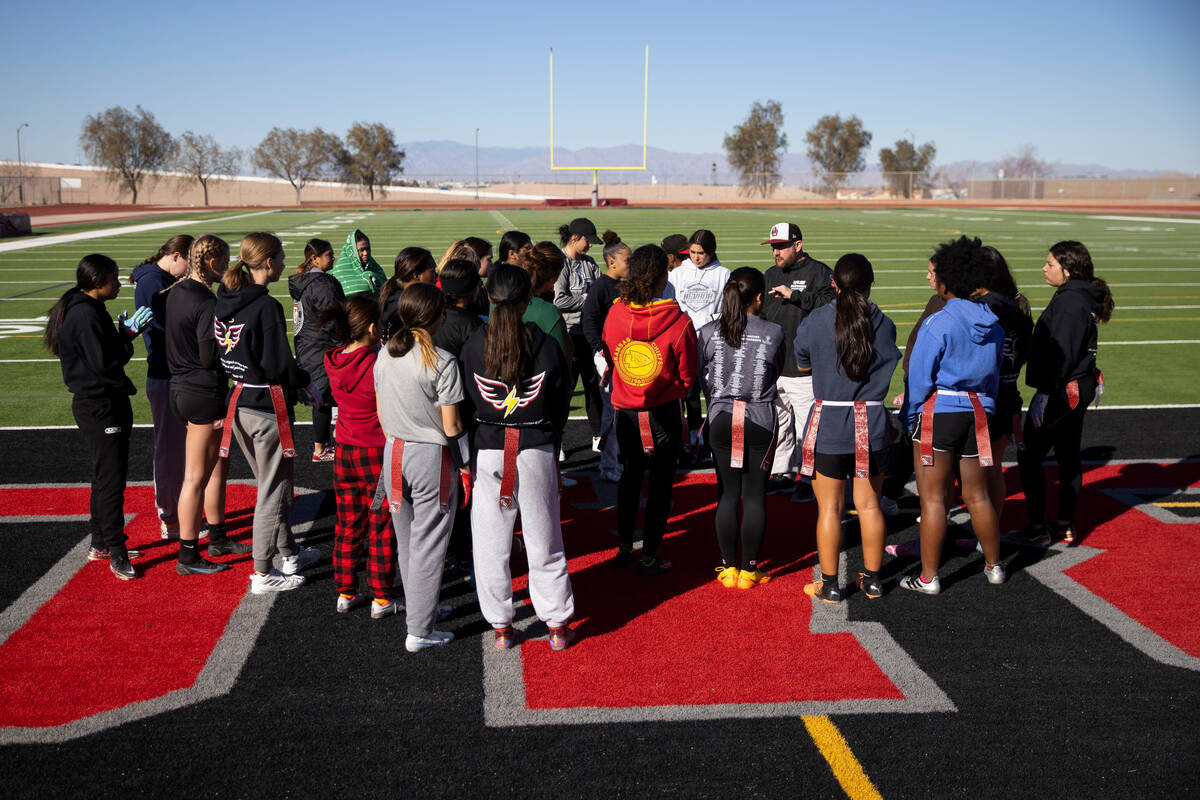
[[449, 161]]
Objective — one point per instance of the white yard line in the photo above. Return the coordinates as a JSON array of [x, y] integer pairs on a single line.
[[503, 220], [104, 233], [1172, 220]]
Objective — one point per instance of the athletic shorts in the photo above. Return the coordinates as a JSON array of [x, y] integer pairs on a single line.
[[953, 432], [198, 409], [840, 466]]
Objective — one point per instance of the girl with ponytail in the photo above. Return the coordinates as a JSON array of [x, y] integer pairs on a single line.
[[518, 381], [313, 291], [361, 525], [94, 353], [740, 358], [418, 389], [849, 348], [198, 389], [152, 278], [1062, 371]]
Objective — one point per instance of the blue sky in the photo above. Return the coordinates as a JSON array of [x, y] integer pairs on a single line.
[[1101, 82]]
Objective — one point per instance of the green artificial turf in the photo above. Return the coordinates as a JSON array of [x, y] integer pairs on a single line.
[[1152, 264]]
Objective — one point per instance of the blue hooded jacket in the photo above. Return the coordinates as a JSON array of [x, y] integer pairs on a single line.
[[150, 279], [958, 349]]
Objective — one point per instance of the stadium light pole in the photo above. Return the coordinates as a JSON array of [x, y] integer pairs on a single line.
[[477, 163], [20, 167]]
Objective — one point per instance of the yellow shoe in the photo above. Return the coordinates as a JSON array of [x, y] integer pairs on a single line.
[[748, 579], [727, 576]]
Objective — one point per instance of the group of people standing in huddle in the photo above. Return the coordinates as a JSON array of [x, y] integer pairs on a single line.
[[450, 383]]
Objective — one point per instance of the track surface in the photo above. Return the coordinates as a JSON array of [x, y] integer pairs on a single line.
[[1047, 699]]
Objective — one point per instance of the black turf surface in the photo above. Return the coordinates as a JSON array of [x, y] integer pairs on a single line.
[[1050, 702]]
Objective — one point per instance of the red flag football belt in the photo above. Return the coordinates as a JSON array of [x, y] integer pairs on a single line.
[[737, 450], [281, 418], [645, 432], [1073, 394], [396, 490], [508, 474], [862, 436], [983, 439]]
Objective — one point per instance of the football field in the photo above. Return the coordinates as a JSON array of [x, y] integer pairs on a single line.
[[1148, 351]]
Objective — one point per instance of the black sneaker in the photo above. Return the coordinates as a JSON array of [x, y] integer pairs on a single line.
[[803, 493], [227, 547], [872, 587], [648, 568], [121, 567], [625, 556], [201, 567], [780, 482], [825, 592]]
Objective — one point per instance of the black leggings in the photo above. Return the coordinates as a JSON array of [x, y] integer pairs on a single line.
[[322, 422], [666, 428], [1062, 429], [582, 367], [748, 484], [106, 424]]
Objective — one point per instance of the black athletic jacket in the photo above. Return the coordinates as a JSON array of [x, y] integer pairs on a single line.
[[252, 340], [93, 353], [812, 287], [313, 292], [1064, 340], [538, 406], [600, 297], [192, 351], [1018, 336], [457, 328]]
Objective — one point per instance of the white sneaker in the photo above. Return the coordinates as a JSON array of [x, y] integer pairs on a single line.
[[562, 455], [381, 610], [596, 448], [345, 604], [995, 573], [888, 506], [290, 565], [274, 581], [414, 644]]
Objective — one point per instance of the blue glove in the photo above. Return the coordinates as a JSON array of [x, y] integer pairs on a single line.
[[133, 324]]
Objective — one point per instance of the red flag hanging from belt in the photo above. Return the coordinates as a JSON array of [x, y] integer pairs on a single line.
[[508, 475]]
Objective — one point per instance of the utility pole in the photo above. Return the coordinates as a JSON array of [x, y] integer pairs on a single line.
[[477, 163], [20, 167]]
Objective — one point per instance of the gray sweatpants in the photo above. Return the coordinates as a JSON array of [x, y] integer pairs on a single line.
[[258, 436], [536, 496], [170, 441], [422, 530]]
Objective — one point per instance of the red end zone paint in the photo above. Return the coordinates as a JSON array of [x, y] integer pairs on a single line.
[[682, 638], [99, 643]]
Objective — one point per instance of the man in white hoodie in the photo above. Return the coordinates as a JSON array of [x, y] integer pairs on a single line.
[[697, 285]]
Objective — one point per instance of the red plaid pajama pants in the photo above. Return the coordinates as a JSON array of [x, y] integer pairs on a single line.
[[356, 473]]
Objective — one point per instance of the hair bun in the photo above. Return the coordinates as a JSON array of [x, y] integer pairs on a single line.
[[610, 238]]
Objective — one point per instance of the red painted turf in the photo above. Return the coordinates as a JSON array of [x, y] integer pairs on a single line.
[[101, 643]]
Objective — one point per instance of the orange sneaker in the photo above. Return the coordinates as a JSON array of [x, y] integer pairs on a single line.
[[748, 579]]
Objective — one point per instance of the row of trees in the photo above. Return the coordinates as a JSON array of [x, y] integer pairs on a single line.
[[129, 145], [837, 146]]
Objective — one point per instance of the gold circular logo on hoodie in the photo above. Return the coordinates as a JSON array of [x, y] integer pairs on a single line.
[[638, 363]]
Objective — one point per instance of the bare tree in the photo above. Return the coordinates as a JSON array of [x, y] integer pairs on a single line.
[[299, 157], [204, 159], [906, 167], [1025, 164], [755, 147], [373, 157], [836, 146], [127, 145]]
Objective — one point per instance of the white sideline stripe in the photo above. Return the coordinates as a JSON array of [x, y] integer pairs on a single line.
[[1147, 219], [503, 220], [107, 232]]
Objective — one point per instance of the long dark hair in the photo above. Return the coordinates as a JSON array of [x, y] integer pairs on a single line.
[[508, 355], [350, 320], [420, 308], [998, 278], [853, 333], [1077, 261], [312, 249], [410, 262], [482, 247], [707, 240], [92, 272], [647, 266], [745, 284], [511, 242]]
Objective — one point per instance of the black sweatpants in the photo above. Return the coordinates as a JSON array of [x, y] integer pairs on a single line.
[[747, 484], [583, 368], [1062, 429], [666, 431], [322, 423], [106, 424]]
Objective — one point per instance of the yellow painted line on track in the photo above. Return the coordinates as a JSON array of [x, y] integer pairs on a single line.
[[1178, 504], [845, 766]]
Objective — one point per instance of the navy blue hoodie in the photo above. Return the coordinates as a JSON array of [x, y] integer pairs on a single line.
[[959, 349], [149, 280]]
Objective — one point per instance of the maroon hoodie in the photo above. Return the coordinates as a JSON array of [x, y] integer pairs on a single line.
[[352, 382]]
